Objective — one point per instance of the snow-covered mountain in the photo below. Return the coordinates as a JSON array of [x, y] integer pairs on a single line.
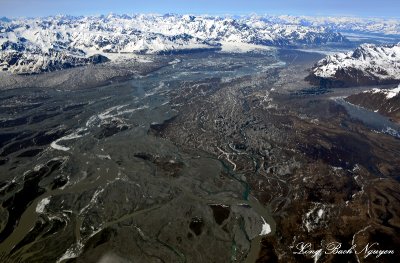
[[46, 44], [385, 93], [249, 30], [385, 26], [368, 64], [25, 60]]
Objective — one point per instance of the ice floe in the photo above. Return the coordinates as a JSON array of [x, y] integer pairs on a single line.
[[41, 206], [266, 228]]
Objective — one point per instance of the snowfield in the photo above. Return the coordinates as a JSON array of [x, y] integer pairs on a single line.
[[47, 44], [389, 93], [372, 61], [385, 26]]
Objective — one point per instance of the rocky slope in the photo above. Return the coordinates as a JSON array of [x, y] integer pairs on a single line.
[[47, 44], [366, 65], [384, 101]]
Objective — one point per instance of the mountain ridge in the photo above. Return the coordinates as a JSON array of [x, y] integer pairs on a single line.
[[368, 64], [383, 101], [32, 45]]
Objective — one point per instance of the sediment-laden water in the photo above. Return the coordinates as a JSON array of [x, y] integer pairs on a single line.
[[79, 162], [214, 157]]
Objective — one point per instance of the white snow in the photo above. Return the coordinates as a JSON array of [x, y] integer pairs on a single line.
[[352, 24], [72, 252], [320, 213], [393, 92], [239, 47], [93, 200], [382, 62], [77, 134], [55, 146], [389, 93], [266, 228], [315, 217], [42, 205], [41, 42]]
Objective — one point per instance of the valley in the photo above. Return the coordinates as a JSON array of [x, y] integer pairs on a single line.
[[233, 154]]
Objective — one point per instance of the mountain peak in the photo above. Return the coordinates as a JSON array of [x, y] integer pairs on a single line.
[[144, 34]]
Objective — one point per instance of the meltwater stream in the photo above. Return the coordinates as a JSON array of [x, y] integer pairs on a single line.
[[109, 170]]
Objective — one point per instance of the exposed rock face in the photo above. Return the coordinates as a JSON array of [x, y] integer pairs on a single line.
[[366, 65]]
